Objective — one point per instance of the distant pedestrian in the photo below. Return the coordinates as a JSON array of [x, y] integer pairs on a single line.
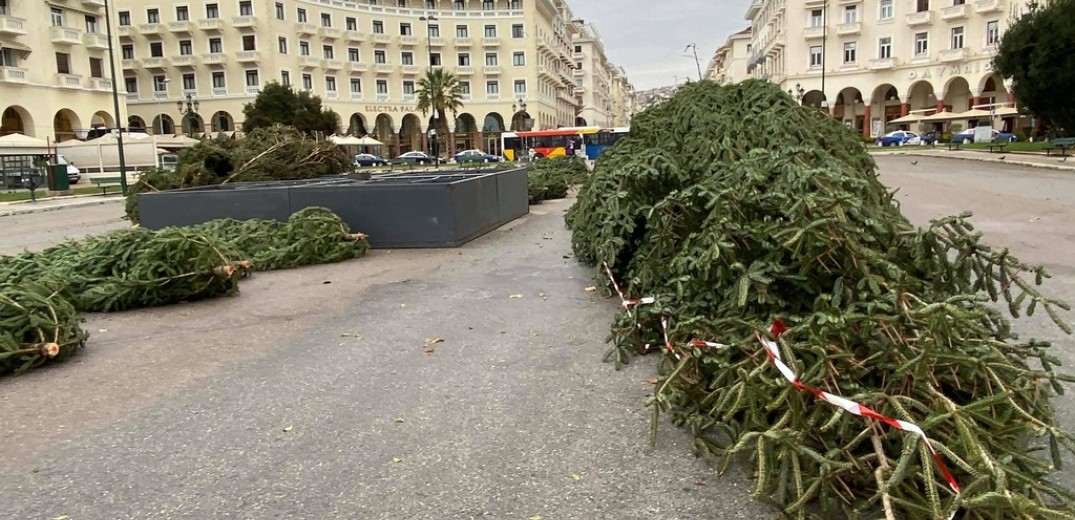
[[570, 146], [531, 154]]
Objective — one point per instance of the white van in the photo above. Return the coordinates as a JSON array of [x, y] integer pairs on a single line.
[[169, 161], [73, 174]]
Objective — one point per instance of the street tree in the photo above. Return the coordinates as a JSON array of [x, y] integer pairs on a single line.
[[1037, 53], [439, 92], [279, 104]]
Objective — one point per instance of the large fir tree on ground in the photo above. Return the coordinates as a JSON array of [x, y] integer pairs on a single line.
[[279, 104], [1038, 53], [439, 92]]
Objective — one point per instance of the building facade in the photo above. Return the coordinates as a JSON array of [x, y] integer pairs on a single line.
[[729, 63], [54, 78], [593, 76], [870, 62], [623, 98], [364, 59]]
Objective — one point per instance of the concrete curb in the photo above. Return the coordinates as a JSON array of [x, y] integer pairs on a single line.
[[43, 209], [981, 159]]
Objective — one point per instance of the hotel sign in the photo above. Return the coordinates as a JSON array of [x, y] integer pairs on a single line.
[[940, 71], [389, 108]]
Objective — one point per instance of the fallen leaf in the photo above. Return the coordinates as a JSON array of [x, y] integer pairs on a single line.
[[652, 381], [403, 305], [326, 282], [397, 460], [429, 351], [576, 476], [546, 237], [591, 289], [535, 517], [345, 335], [541, 294], [516, 296], [288, 428], [102, 330], [399, 419], [61, 517], [434, 341]]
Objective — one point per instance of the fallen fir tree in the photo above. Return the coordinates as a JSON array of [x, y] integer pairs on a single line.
[[551, 178], [37, 324], [755, 209]]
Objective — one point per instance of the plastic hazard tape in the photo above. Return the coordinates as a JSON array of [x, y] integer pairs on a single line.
[[627, 304], [772, 350]]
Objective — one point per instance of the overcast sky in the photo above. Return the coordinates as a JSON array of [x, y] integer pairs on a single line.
[[647, 37]]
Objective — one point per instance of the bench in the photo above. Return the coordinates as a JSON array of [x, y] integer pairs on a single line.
[[105, 182], [1060, 143], [999, 144], [955, 145]]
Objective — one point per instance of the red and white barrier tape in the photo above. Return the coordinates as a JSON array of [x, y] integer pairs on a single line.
[[772, 350], [627, 304]]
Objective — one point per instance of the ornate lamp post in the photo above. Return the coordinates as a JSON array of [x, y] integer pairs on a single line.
[[187, 113], [517, 109], [798, 92]]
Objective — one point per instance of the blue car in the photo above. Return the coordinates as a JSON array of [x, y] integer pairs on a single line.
[[904, 138], [967, 136]]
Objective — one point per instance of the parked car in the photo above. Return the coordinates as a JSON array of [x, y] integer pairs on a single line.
[[368, 159], [73, 173], [475, 155], [967, 136], [902, 138], [416, 157]]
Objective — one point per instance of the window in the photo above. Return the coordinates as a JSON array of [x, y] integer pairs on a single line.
[[884, 48], [520, 87], [279, 11], [464, 88], [307, 82], [249, 42], [156, 49], [958, 2], [356, 86], [431, 4], [490, 31], [434, 59], [405, 29], [921, 43], [218, 79], [379, 57], [330, 83], [130, 85], [352, 23], [182, 13], [281, 44], [285, 78], [127, 51], [186, 48], [922, 5], [458, 5], [516, 4], [57, 17], [246, 8], [492, 88], [817, 18], [160, 83], [91, 24], [407, 58], [382, 86], [328, 52], [461, 31], [153, 16], [487, 5], [992, 32], [188, 82], [215, 46], [851, 14], [124, 18], [96, 68], [517, 31], [408, 87], [212, 11], [957, 37], [326, 20], [252, 79], [815, 56], [464, 59], [378, 27], [490, 59], [849, 52], [3, 8], [518, 59], [300, 15], [352, 54], [304, 48], [433, 31], [887, 10]]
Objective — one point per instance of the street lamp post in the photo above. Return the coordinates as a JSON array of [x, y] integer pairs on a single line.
[[115, 102], [187, 113], [429, 39], [160, 111], [433, 96], [697, 64], [798, 92], [519, 109]]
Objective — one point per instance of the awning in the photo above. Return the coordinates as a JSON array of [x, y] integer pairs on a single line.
[[16, 46], [973, 114], [19, 144], [1006, 111], [940, 116], [369, 141], [345, 140], [909, 118]]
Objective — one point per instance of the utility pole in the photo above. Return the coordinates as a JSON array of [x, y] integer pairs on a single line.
[[115, 102], [824, 41], [697, 64]]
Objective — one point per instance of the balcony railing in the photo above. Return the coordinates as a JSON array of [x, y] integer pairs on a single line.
[[309, 62], [150, 28], [356, 96], [94, 4], [244, 21], [491, 70], [953, 55], [410, 70], [987, 6], [95, 41], [214, 58], [330, 33], [332, 64], [883, 63], [845, 29], [354, 36], [12, 75], [464, 42], [66, 36], [408, 40], [578, 73], [131, 64], [357, 67], [920, 18], [811, 33], [382, 97], [464, 70], [305, 28], [69, 80], [247, 56], [954, 12], [492, 97], [156, 63], [490, 42], [211, 24], [220, 91], [253, 90], [409, 98], [125, 31], [384, 68], [436, 41], [332, 94], [182, 26], [184, 60], [381, 38], [101, 84], [12, 25]]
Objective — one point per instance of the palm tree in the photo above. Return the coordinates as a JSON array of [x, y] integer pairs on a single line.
[[440, 92]]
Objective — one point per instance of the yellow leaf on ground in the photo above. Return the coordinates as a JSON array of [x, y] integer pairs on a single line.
[[397, 460], [535, 517], [591, 289], [399, 419], [516, 296], [433, 341], [576, 476], [288, 428], [429, 351]]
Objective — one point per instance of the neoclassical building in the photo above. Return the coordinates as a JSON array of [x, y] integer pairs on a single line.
[[363, 58], [729, 62], [54, 77], [871, 62]]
